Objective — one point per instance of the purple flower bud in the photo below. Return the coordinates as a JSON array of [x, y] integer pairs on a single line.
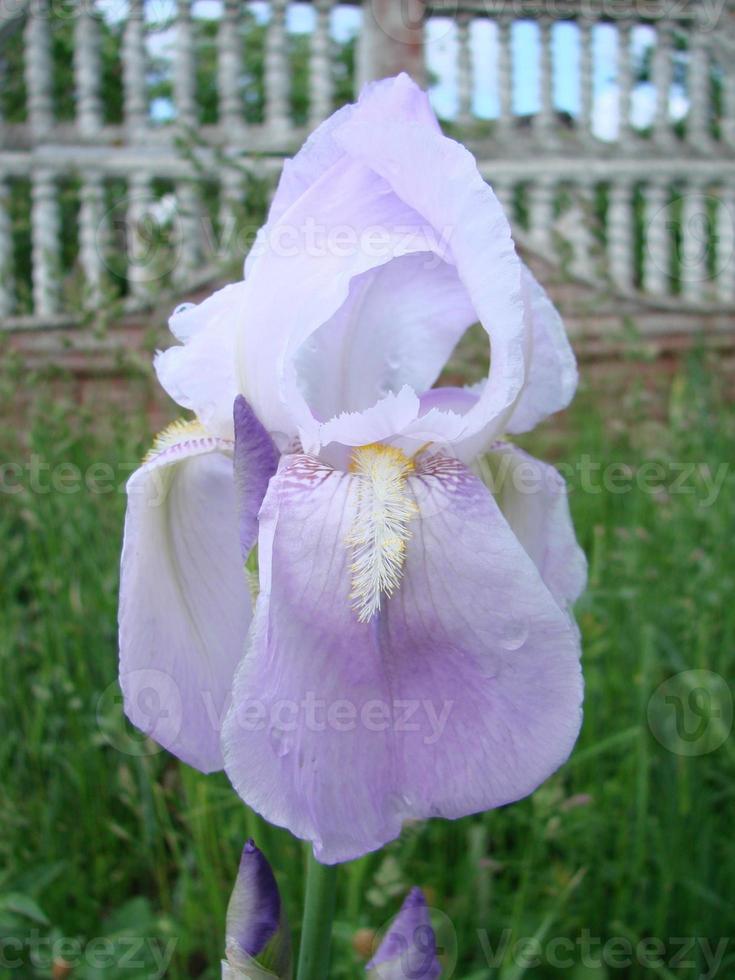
[[408, 950], [257, 937]]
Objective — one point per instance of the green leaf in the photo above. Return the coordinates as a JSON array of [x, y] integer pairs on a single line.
[[15, 903]]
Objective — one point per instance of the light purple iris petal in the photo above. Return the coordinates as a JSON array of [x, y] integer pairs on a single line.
[[439, 179], [449, 399], [408, 950], [398, 326], [462, 694], [254, 912], [184, 604], [423, 193], [297, 286], [256, 460], [458, 402], [551, 373], [199, 374], [388, 416], [551, 376], [396, 98], [533, 498]]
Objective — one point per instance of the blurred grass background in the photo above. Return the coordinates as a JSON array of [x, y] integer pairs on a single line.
[[102, 837]]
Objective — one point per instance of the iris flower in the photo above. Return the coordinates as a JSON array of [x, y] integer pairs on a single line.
[[410, 653]]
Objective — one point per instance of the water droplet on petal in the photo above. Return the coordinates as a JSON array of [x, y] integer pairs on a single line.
[[402, 803], [281, 742], [514, 634]]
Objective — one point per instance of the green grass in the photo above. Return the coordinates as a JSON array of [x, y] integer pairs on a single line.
[[101, 838]]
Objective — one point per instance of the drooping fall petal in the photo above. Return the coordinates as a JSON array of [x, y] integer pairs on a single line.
[[184, 604], [533, 498], [461, 694]]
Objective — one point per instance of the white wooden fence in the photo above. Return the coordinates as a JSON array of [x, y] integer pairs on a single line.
[[97, 207]]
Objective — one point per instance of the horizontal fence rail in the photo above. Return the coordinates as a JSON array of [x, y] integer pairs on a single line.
[[140, 142]]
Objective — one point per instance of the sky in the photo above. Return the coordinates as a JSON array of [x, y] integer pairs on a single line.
[[441, 53], [441, 56]]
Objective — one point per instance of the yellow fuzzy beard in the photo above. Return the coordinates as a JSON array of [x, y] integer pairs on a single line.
[[182, 430], [380, 531]]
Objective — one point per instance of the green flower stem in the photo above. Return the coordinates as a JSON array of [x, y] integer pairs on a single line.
[[316, 931]]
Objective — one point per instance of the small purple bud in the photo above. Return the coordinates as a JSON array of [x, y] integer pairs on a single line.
[[408, 950], [256, 928]]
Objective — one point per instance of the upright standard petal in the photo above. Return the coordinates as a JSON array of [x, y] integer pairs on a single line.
[[257, 935], [438, 178], [363, 243], [534, 500], [398, 326], [199, 373], [551, 373], [462, 693], [185, 607], [408, 950], [353, 200], [390, 98]]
